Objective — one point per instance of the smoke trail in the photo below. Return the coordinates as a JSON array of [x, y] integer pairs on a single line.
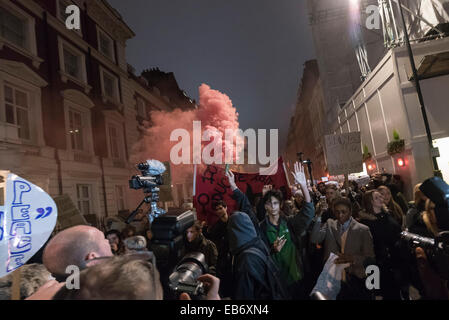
[[216, 114]]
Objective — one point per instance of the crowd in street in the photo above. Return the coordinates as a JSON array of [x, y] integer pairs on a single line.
[[274, 249]]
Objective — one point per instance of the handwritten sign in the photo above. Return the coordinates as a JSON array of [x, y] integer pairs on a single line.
[[344, 153], [212, 185], [26, 222]]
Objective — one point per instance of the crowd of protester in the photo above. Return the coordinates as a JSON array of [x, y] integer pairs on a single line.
[[273, 249]]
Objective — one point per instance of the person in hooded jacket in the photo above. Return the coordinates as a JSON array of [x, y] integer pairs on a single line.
[[256, 277]]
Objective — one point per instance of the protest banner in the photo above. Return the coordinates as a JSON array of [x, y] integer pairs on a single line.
[[344, 153], [212, 185], [27, 220]]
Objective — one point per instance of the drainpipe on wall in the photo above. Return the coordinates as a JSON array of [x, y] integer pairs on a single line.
[[50, 82], [104, 188]]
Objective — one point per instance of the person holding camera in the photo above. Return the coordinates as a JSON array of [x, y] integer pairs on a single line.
[[196, 242]]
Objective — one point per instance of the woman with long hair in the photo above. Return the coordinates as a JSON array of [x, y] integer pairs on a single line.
[[391, 205], [386, 234], [414, 218]]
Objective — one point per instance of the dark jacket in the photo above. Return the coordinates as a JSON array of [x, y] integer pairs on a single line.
[[206, 247], [251, 274], [386, 234]]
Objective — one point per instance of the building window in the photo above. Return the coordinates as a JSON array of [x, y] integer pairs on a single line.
[[84, 194], [120, 196], [13, 28], [17, 31], [72, 64], [105, 45], [110, 86], [141, 108], [17, 110], [115, 142], [76, 130]]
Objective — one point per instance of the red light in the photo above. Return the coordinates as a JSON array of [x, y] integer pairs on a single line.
[[401, 162], [370, 167]]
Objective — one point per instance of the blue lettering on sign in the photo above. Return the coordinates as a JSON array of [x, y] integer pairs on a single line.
[[42, 213], [20, 187], [20, 225], [20, 213], [20, 233], [1, 225], [19, 244], [14, 262]]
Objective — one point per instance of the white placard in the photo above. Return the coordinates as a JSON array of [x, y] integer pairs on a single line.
[[26, 222], [344, 153]]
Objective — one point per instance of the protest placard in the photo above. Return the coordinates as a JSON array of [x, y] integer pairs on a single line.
[[27, 220], [344, 153]]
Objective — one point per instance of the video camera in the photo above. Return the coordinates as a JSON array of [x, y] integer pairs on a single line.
[[168, 231], [437, 249], [151, 177]]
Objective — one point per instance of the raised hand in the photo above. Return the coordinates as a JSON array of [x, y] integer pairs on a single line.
[[231, 179], [300, 177]]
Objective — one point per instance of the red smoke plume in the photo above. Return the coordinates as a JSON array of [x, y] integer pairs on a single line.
[[215, 112]]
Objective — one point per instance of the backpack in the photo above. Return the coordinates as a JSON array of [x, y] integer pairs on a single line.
[[275, 282]]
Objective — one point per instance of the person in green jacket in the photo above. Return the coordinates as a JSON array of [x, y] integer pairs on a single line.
[[283, 234]]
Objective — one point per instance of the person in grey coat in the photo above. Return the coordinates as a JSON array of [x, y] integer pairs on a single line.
[[352, 242]]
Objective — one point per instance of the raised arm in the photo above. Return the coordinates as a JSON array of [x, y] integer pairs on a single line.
[[242, 200], [303, 219]]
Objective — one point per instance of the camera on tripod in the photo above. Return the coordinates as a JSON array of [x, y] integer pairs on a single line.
[[149, 181]]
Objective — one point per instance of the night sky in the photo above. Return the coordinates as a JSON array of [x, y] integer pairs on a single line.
[[251, 50]]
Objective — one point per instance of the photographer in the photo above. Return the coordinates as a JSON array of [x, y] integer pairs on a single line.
[[129, 277], [196, 242]]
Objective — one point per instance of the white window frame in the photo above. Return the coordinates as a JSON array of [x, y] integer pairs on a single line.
[[30, 49], [100, 31], [87, 127], [90, 198], [121, 142], [9, 132], [121, 197], [82, 81], [63, 19], [106, 98], [16, 106]]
